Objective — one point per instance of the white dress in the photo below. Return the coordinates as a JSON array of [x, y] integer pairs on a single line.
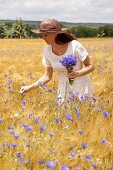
[[81, 85]]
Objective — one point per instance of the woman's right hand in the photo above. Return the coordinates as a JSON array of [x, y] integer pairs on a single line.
[[24, 89]]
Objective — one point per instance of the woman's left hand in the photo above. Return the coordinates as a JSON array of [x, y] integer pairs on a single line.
[[73, 74]]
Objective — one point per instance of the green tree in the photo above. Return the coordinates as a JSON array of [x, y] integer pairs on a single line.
[[2, 30], [18, 30]]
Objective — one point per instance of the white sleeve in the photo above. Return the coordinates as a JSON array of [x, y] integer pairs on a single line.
[[45, 59], [82, 52]]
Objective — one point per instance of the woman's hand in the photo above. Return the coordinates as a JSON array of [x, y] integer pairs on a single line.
[[24, 89], [73, 74]]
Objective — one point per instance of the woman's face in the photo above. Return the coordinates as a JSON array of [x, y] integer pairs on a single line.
[[49, 37]]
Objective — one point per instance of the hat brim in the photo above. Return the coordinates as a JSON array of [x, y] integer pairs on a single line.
[[36, 31]]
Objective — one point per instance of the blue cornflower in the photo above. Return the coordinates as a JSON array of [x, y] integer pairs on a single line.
[[14, 145], [19, 155], [68, 61], [58, 120], [94, 165], [87, 158], [40, 161], [23, 101], [106, 114], [15, 134], [42, 85], [51, 134], [5, 144], [37, 120], [10, 81], [77, 112], [24, 124], [80, 131], [73, 154], [9, 127], [30, 115], [112, 165], [1, 120], [98, 109], [51, 164], [23, 84], [42, 127], [66, 106], [84, 145], [103, 141], [29, 128], [30, 75], [65, 167], [68, 116]]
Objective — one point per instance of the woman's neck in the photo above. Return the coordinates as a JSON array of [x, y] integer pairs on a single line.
[[59, 49]]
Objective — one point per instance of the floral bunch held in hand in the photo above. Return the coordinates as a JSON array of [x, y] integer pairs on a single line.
[[68, 62]]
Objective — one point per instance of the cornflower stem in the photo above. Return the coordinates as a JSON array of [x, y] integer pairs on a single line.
[[70, 69]]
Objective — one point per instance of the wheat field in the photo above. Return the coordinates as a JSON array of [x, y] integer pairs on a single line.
[[34, 133]]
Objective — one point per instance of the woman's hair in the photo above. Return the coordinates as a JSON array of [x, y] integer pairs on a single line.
[[63, 38]]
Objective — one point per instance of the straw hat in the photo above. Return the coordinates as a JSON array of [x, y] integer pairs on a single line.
[[50, 25]]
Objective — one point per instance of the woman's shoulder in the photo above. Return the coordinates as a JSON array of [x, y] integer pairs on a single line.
[[75, 42], [47, 48]]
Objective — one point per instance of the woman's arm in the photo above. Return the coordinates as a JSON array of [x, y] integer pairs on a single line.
[[89, 67], [44, 79]]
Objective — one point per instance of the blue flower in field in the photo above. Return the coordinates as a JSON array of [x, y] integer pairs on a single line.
[[106, 114], [73, 154], [94, 165], [77, 112], [87, 158], [15, 134], [98, 109], [24, 124], [19, 155], [51, 164], [24, 102], [42, 127], [10, 81], [29, 128], [103, 141], [9, 127], [23, 84], [112, 165], [30, 115], [51, 134], [65, 167], [42, 85], [28, 145], [66, 106], [84, 145], [94, 98], [40, 161], [14, 145], [5, 144], [37, 120], [1, 120], [68, 116], [58, 120], [80, 131], [30, 75]]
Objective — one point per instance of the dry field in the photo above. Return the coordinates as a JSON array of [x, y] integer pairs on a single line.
[[34, 133]]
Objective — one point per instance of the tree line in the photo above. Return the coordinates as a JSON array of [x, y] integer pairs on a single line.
[[19, 29]]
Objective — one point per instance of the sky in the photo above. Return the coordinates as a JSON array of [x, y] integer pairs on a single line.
[[94, 11]]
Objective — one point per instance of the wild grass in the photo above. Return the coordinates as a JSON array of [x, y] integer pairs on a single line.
[[34, 131]]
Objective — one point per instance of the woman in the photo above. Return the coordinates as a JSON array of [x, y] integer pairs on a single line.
[[60, 43]]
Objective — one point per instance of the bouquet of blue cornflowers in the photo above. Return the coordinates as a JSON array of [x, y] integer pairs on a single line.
[[68, 62]]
